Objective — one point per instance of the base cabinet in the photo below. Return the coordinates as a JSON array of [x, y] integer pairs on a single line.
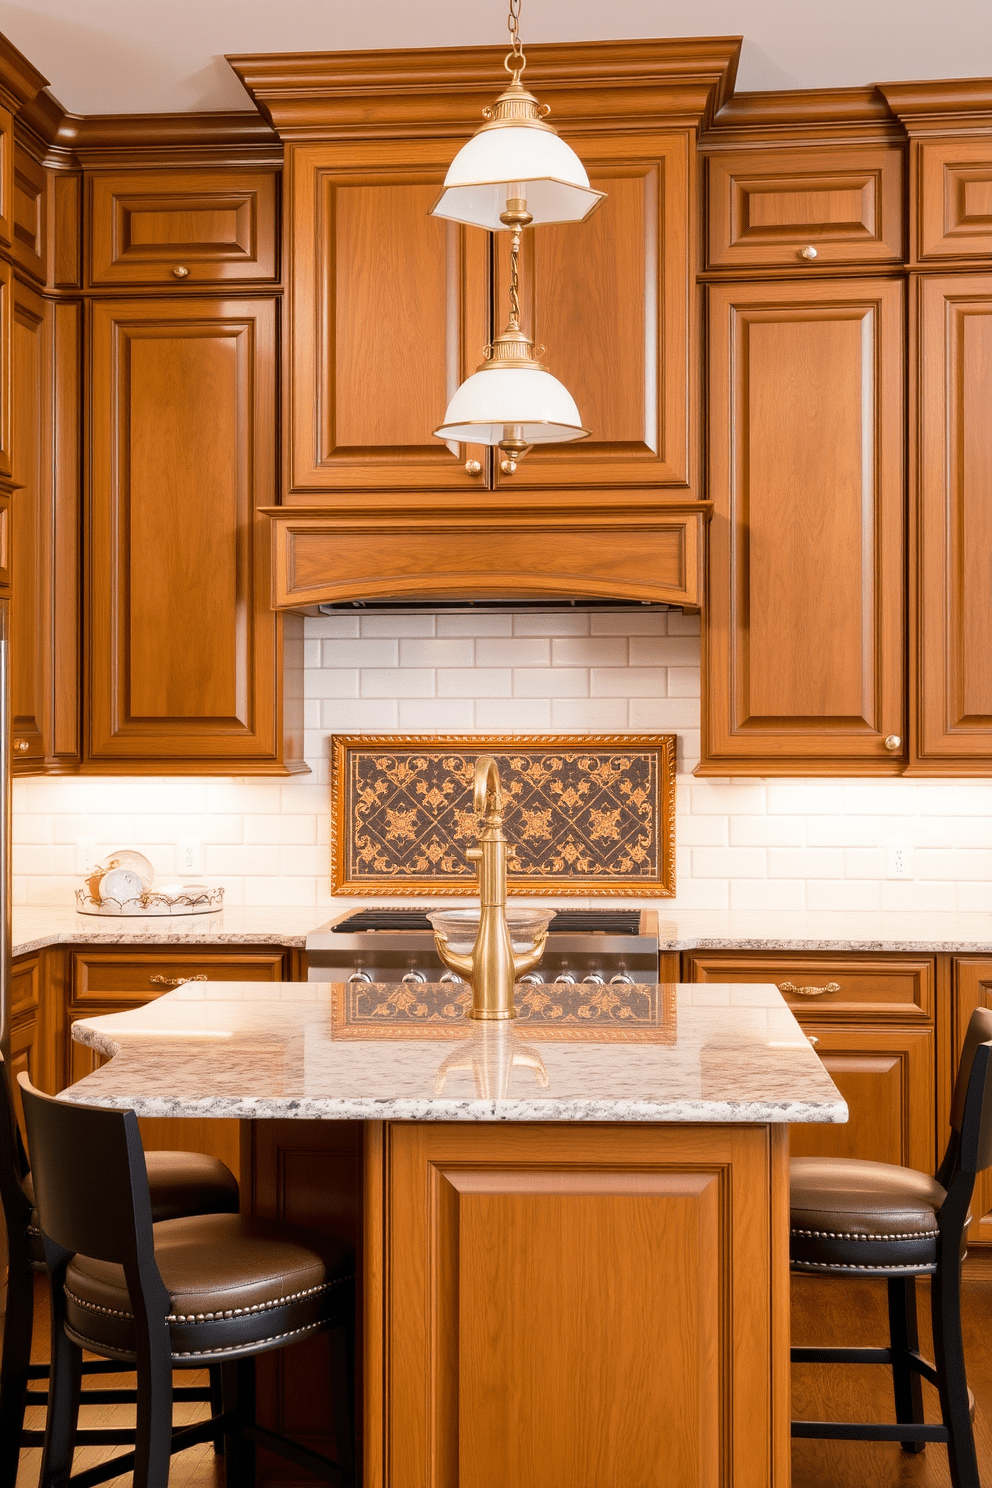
[[972, 988]]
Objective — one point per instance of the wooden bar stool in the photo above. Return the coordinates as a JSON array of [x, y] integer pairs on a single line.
[[181, 1183], [179, 1294], [857, 1218]]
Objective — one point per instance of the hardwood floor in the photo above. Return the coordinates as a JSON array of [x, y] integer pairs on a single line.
[[824, 1311]]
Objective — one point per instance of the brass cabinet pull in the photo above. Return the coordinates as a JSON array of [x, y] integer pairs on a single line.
[[892, 743], [181, 272], [164, 981], [22, 744], [809, 252], [811, 1040], [808, 991], [474, 467]]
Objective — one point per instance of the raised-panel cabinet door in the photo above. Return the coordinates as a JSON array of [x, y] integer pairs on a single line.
[[6, 367], [886, 1075], [183, 652], [971, 989], [31, 534], [803, 640], [953, 198], [609, 301], [952, 530], [390, 312], [6, 176]]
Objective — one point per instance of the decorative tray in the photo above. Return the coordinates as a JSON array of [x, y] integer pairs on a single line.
[[150, 904]]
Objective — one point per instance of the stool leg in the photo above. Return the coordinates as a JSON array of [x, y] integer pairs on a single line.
[[153, 1434], [64, 1383], [17, 1328], [948, 1349], [238, 1387], [217, 1404], [903, 1337], [342, 1343]]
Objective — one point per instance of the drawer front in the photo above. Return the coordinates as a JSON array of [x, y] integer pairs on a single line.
[[770, 207], [183, 228], [110, 981], [955, 199], [24, 978], [820, 986]]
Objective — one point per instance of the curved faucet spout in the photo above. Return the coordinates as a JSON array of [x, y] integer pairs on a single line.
[[488, 790]]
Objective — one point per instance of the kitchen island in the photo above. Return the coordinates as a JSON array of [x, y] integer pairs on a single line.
[[571, 1229]]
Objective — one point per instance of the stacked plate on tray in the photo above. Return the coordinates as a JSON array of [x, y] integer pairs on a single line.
[[122, 885]]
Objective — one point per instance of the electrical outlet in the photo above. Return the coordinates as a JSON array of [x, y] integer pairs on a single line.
[[900, 860], [85, 856], [189, 856]]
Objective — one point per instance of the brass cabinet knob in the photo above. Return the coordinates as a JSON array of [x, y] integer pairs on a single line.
[[507, 467], [180, 272], [474, 467], [22, 745], [809, 252], [893, 742], [811, 1040]]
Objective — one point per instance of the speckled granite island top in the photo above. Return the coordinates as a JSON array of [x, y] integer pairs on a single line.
[[688, 1053]]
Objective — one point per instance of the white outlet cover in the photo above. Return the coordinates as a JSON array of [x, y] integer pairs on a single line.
[[189, 856], [86, 856], [901, 860]]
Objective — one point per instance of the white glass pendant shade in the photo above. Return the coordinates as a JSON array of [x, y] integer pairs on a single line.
[[536, 405], [495, 163]]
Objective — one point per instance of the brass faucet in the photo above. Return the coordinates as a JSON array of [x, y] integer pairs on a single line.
[[492, 967]]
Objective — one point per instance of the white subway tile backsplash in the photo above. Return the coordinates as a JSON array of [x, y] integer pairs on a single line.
[[742, 843]]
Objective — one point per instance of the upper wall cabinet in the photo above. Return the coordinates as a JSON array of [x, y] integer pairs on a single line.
[[609, 301], [184, 662], [955, 199], [807, 208], [390, 312], [184, 227], [803, 654], [952, 699]]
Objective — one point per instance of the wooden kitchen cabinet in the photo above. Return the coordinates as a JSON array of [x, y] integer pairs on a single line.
[[31, 534], [953, 199], [803, 642], [608, 299], [767, 206], [951, 601], [875, 1035], [182, 228], [184, 654], [390, 312]]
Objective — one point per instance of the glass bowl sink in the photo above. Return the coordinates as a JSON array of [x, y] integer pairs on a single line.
[[461, 926]]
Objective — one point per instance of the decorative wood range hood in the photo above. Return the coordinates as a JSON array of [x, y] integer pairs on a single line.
[[388, 307]]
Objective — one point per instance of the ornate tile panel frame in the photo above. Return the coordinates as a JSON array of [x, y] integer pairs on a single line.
[[589, 814]]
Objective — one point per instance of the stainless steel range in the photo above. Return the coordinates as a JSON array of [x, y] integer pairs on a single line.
[[397, 945]]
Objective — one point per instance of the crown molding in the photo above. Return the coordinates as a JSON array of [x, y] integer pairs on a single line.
[[432, 93], [20, 80], [816, 115], [950, 106], [115, 140]]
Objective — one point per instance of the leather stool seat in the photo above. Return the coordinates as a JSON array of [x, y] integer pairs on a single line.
[[179, 1183], [235, 1284], [856, 1216]]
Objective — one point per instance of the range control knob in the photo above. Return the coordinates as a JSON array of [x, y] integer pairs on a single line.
[[359, 976], [411, 977], [595, 979], [450, 979], [531, 980], [566, 976], [622, 980]]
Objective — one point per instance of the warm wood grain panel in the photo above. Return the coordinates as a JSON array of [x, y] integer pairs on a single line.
[[952, 533], [390, 312], [183, 648], [32, 534], [6, 175], [971, 988], [644, 555], [29, 244], [887, 1078], [25, 988], [6, 367], [870, 988], [954, 199], [765, 206], [128, 977], [804, 642], [217, 225], [526, 1268], [610, 302]]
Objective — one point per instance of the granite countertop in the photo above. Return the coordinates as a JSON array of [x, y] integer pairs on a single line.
[[693, 1053], [679, 930]]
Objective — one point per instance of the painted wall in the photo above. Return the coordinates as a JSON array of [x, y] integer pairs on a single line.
[[742, 844]]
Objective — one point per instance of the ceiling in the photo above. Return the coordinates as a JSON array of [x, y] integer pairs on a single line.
[[152, 56]]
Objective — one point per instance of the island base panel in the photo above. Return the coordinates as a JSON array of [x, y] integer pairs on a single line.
[[562, 1305]]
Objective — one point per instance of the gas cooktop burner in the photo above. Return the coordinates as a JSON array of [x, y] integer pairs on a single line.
[[565, 922]]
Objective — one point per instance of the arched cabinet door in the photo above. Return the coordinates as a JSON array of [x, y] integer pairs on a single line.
[[183, 651]]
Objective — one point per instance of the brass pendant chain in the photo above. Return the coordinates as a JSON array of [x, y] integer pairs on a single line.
[[514, 61]]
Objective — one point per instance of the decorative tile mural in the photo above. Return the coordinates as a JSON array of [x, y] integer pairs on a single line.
[[590, 814]]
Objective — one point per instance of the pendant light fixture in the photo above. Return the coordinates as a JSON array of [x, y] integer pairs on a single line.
[[514, 172], [515, 154]]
